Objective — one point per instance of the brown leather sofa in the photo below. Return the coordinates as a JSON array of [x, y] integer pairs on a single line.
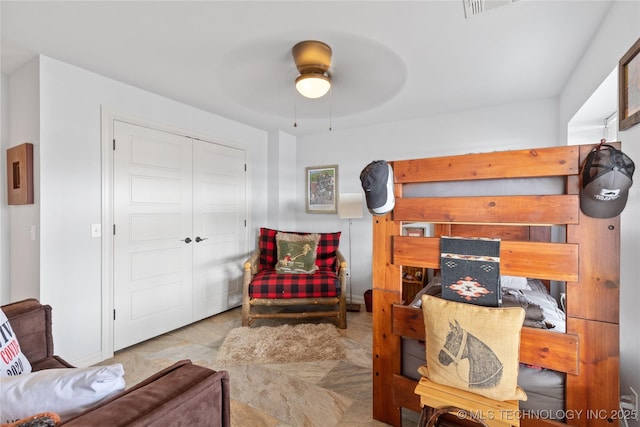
[[183, 394]]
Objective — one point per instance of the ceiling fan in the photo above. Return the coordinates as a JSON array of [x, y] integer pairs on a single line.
[[312, 59]]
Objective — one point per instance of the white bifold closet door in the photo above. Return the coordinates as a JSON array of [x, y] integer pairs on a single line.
[[179, 231]]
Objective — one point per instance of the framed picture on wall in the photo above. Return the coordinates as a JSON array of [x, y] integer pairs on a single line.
[[629, 88], [20, 174], [322, 186]]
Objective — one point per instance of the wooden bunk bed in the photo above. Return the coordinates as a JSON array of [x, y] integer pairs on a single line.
[[587, 261]]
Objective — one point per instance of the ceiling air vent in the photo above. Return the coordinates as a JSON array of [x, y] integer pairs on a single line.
[[476, 7]]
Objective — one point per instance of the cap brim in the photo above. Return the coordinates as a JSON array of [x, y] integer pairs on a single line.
[[600, 209], [595, 208]]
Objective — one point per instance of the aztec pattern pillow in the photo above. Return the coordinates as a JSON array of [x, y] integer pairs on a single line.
[[473, 348], [296, 253], [470, 269], [325, 256], [13, 362]]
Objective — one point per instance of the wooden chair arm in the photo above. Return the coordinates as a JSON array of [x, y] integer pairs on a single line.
[[342, 266], [252, 263], [342, 261]]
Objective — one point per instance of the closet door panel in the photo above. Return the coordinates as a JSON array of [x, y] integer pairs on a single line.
[[152, 217], [219, 212]]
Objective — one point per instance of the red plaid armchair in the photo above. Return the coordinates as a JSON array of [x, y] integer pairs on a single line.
[[263, 286]]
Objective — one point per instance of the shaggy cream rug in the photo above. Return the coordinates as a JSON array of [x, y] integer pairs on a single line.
[[280, 344]]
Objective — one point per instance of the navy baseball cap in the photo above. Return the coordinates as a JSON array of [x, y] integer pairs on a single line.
[[377, 183]]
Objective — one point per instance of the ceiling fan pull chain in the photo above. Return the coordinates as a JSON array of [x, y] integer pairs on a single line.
[[295, 111], [330, 104]]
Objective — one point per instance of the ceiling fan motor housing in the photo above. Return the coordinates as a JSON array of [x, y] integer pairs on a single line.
[[312, 56]]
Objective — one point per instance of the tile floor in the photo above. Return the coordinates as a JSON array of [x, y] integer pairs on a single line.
[[323, 393]]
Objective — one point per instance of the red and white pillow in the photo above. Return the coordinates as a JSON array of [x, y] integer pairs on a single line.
[[12, 361]]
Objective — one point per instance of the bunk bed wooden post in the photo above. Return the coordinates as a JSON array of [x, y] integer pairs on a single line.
[[593, 313], [387, 290]]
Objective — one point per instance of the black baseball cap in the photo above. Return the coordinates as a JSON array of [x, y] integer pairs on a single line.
[[377, 183], [606, 178]]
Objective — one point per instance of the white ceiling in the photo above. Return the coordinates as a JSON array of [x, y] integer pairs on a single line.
[[392, 60]]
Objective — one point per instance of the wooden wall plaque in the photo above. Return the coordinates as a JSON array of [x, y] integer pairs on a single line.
[[20, 174]]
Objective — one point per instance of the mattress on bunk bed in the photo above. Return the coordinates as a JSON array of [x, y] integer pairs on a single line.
[[544, 387]]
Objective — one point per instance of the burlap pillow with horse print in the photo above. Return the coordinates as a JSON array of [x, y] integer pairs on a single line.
[[473, 348]]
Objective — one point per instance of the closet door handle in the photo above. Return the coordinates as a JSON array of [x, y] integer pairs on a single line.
[[187, 240], [198, 239]]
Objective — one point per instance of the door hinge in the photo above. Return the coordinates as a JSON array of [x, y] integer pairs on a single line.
[[245, 167], [114, 314], [245, 222], [114, 229], [114, 144]]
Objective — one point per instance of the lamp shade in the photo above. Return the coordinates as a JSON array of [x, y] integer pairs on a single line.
[[350, 205], [313, 85]]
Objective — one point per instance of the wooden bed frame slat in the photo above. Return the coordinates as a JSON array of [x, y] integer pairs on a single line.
[[550, 209], [505, 232], [552, 350], [552, 261], [553, 161]]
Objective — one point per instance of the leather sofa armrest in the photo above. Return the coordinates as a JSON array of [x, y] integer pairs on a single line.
[[182, 394], [31, 323], [53, 362]]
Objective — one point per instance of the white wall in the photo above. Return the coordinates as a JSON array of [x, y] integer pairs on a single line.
[[5, 278], [619, 30], [282, 181], [24, 120], [505, 127], [629, 273], [70, 101]]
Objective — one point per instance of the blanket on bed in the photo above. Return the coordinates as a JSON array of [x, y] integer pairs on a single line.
[[542, 314], [471, 270]]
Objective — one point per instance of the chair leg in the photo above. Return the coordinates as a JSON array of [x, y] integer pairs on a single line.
[[424, 416], [246, 312], [342, 316]]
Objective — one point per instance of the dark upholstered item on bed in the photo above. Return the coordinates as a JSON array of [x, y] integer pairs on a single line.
[[264, 286], [182, 394]]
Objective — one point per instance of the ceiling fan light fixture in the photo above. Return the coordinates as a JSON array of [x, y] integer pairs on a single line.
[[312, 59], [313, 85]]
